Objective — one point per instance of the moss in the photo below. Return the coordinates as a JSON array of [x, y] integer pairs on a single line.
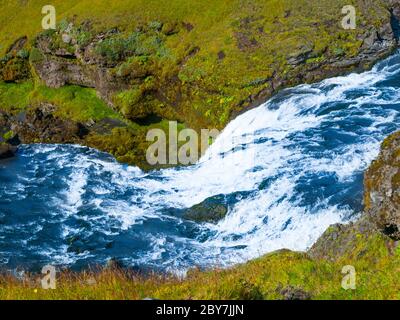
[[183, 49], [15, 97], [127, 100], [8, 135], [36, 56], [316, 60], [120, 47], [73, 102], [23, 54]]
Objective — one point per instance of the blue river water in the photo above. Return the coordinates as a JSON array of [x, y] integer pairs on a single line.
[[286, 170]]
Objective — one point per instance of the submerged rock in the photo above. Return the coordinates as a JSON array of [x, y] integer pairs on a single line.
[[210, 210]]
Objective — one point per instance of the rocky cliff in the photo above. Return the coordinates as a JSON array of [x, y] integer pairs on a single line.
[[381, 216], [111, 79]]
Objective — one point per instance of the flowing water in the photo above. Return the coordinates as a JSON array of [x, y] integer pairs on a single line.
[[292, 167]]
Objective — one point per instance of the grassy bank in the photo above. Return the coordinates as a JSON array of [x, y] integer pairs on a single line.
[[279, 275], [199, 63], [214, 54]]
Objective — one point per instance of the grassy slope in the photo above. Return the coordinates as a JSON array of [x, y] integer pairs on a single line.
[[256, 38], [213, 88], [76, 103], [263, 278]]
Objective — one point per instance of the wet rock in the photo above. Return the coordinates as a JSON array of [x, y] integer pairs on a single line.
[[9, 141], [210, 210], [14, 141], [7, 150], [40, 124]]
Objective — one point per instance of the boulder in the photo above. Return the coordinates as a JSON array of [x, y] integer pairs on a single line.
[[294, 293], [210, 210]]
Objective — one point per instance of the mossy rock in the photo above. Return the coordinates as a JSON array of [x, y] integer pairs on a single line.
[[211, 210]]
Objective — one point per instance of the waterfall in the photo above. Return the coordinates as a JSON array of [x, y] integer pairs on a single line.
[[286, 171]]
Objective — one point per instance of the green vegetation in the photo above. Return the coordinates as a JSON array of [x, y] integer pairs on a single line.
[[136, 44], [199, 63], [15, 97], [214, 48], [265, 278], [73, 102], [8, 135]]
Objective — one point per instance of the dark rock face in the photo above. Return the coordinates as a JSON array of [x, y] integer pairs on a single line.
[[40, 125], [7, 150], [58, 67], [8, 140], [377, 43], [341, 239], [382, 188], [63, 59]]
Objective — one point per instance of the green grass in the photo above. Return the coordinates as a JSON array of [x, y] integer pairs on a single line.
[[73, 102], [264, 278], [15, 97], [277, 28]]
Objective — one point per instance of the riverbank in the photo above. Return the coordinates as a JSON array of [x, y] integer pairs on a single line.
[[104, 83]]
